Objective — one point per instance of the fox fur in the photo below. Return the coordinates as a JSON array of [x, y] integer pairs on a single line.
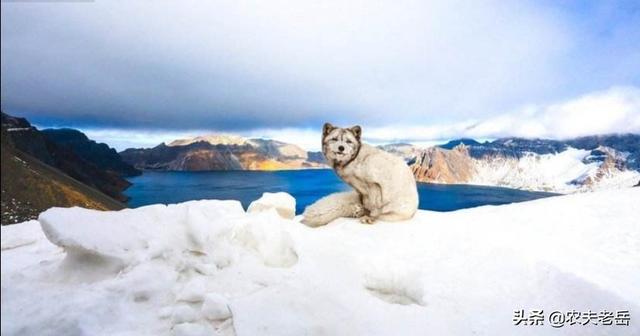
[[384, 186]]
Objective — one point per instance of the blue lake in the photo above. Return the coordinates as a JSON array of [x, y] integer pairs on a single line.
[[305, 185]]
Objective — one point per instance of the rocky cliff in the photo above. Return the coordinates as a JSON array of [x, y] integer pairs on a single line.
[[222, 152], [582, 164], [83, 166], [439, 165], [31, 183], [99, 154]]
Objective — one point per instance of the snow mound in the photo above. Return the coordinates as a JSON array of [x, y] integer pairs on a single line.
[[282, 202], [267, 238], [207, 267]]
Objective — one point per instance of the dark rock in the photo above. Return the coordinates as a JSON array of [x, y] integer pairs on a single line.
[[37, 175], [27, 139], [249, 154], [100, 154]]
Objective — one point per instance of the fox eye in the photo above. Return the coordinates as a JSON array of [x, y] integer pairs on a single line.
[[349, 142], [334, 139]]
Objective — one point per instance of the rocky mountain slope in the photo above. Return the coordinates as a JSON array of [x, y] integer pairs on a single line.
[[86, 168], [31, 185], [222, 152], [580, 164], [99, 154]]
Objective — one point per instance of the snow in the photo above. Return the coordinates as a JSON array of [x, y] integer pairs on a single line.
[[18, 129], [207, 267], [550, 172], [216, 307], [213, 139], [282, 202]]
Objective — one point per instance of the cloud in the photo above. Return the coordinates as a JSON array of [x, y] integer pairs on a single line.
[[244, 66], [615, 110]]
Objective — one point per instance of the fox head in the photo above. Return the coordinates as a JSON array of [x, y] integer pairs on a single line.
[[340, 145]]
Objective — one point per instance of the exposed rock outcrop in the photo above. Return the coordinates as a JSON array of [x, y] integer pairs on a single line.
[[444, 166], [222, 152], [582, 164], [34, 177], [88, 168], [100, 154]]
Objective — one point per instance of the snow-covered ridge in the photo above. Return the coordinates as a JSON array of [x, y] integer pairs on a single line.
[[564, 172], [568, 171], [221, 152], [214, 139], [271, 146], [203, 267]]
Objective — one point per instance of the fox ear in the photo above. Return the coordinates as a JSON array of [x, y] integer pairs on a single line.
[[327, 128], [357, 131]]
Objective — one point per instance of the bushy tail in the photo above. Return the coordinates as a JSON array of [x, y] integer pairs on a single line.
[[328, 208]]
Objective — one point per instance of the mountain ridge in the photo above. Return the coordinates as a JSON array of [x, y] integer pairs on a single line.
[[36, 175], [222, 152], [580, 164], [100, 154]]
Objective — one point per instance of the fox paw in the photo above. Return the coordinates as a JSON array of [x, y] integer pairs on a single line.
[[358, 211], [374, 213], [367, 220]]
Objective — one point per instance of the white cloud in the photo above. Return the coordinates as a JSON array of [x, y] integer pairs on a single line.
[[616, 110], [241, 65]]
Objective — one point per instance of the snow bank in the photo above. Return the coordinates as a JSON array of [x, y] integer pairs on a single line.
[[207, 267]]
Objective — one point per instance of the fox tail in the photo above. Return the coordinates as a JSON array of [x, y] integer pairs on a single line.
[[328, 208]]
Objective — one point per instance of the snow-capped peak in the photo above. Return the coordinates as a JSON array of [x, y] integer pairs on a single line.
[[214, 139]]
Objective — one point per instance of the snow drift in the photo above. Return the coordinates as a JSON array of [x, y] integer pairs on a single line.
[[208, 267]]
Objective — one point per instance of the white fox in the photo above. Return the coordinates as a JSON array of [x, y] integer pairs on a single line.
[[384, 187]]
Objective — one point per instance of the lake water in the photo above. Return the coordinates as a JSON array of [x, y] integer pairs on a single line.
[[305, 185]]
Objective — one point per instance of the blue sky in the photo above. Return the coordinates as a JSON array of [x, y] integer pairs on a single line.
[[138, 73]]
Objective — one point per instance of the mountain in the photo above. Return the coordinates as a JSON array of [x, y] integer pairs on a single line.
[[407, 152], [581, 164], [438, 165], [453, 143], [88, 168], [222, 152], [31, 182], [99, 154]]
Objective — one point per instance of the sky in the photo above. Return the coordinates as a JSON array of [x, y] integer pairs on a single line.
[[134, 74]]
